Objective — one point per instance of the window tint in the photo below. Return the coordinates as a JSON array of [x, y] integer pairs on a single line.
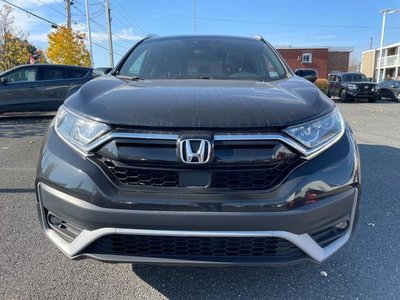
[[202, 57], [77, 73], [54, 73], [22, 75], [354, 77]]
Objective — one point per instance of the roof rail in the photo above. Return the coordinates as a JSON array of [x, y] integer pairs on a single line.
[[151, 35], [259, 37]]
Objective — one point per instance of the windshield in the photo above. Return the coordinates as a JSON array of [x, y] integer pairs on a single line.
[[354, 77], [203, 58]]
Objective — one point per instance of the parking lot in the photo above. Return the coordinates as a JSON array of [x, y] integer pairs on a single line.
[[368, 267]]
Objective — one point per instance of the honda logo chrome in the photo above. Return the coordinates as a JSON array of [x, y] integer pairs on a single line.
[[195, 151]]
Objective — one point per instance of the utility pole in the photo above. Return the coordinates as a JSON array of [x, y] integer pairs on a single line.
[[371, 39], [89, 32], [110, 44], [68, 12], [194, 17], [384, 12]]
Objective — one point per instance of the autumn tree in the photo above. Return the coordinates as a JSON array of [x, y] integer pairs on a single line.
[[67, 47], [14, 46], [14, 52]]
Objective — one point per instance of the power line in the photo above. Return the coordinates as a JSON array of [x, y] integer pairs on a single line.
[[59, 4], [261, 22], [131, 22], [51, 7], [102, 27], [54, 25]]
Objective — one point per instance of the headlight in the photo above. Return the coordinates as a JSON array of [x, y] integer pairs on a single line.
[[318, 132], [77, 130], [352, 87]]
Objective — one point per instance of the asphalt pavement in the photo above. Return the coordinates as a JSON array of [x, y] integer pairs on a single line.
[[368, 267]]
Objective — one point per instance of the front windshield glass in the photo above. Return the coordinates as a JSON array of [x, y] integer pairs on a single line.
[[354, 77], [203, 58]]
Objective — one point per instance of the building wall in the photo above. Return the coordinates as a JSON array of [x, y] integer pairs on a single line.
[[323, 60], [338, 61], [319, 59], [368, 63]]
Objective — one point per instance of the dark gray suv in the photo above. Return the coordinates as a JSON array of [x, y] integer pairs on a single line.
[[40, 87], [199, 150]]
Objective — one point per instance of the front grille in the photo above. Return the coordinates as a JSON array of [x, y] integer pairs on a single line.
[[158, 163], [228, 178], [254, 179], [196, 247], [143, 177]]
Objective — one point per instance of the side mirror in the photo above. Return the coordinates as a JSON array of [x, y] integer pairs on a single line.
[[101, 71], [3, 80]]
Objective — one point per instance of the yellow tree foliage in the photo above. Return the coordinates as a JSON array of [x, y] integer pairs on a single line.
[[67, 47], [13, 52]]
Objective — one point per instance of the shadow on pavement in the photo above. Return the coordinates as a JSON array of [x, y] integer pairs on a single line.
[[16, 191], [23, 127], [356, 270]]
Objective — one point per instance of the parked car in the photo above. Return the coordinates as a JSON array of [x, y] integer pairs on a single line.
[[390, 89], [350, 86], [309, 74], [40, 87], [199, 150]]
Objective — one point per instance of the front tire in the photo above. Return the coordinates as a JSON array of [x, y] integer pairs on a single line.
[[343, 96], [398, 97]]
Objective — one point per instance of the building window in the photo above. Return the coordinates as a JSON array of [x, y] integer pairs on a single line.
[[306, 58]]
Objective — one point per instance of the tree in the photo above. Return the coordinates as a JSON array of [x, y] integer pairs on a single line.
[[7, 24], [14, 52], [67, 47], [14, 46]]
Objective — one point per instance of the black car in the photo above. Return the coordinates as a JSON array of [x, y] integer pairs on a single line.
[[390, 89], [309, 74], [199, 150], [351, 86], [40, 87]]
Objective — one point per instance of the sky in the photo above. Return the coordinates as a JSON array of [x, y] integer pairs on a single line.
[[296, 23]]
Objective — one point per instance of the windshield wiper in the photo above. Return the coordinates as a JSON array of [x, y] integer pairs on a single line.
[[133, 78]]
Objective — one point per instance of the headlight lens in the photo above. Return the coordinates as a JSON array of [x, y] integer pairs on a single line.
[[317, 132], [352, 87], [78, 130]]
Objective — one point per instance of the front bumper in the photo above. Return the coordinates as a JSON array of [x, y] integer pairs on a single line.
[[362, 95], [95, 209], [335, 209]]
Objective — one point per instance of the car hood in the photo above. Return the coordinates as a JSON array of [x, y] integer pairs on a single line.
[[200, 103]]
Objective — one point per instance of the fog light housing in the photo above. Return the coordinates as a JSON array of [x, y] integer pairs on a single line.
[[54, 220], [341, 225]]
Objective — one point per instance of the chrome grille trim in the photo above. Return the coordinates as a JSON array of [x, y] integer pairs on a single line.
[[305, 152]]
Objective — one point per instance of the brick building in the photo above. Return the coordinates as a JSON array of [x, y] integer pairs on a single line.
[[322, 59]]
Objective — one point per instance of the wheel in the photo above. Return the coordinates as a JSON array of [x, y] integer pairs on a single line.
[[343, 96], [329, 93], [398, 97]]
